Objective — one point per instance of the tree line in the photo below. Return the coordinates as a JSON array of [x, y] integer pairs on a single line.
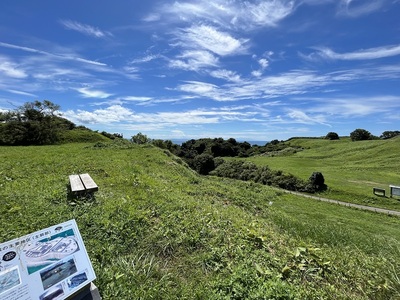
[[37, 123]]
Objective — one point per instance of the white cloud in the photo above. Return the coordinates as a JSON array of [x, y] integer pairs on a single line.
[[226, 75], [263, 63], [84, 29], [118, 113], [295, 82], [228, 14], [11, 69], [114, 113], [87, 93], [364, 54], [256, 73], [145, 59], [57, 56], [355, 106], [196, 87], [356, 8], [301, 117], [152, 17], [211, 39], [264, 13], [194, 60], [21, 93], [136, 98]]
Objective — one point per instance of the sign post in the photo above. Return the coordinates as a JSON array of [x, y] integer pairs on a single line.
[[51, 263]]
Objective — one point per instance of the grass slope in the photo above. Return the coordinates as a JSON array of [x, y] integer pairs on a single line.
[[157, 230], [351, 169]]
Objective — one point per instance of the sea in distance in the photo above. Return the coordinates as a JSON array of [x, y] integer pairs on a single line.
[[258, 143]]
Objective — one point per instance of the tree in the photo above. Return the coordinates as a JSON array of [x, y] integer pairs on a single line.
[[203, 164], [317, 180], [140, 139], [332, 136], [360, 135], [34, 123], [389, 134]]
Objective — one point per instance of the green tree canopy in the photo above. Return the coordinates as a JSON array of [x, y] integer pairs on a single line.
[[389, 134], [34, 123], [140, 139], [332, 136], [360, 135]]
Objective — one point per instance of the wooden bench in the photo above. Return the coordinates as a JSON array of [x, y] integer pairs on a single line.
[[379, 192], [82, 183], [394, 191]]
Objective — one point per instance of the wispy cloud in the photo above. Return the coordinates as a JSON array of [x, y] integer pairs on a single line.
[[194, 60], [21, 93], [136, 98], [226, 75], [145, 59], [354, 8], [294, 82], [84, 29], [299, 116], [58, 56], [364, 54], [228, 14], [263, 64], [211, 39], [118, 113], [355, 106], [11, 69], [88, 93]]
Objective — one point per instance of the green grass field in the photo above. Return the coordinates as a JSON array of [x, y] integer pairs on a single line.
[[157, 230], [351, 169]]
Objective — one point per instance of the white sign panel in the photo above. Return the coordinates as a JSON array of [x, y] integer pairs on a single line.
[[48, 264]]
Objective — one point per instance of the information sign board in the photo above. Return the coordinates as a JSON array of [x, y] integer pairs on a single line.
[[48, 264]]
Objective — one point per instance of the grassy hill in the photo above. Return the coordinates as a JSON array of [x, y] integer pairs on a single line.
[[351, 169], [78, 135], [157, 230]]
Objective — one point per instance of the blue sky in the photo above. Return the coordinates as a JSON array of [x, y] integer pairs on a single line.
[[251, 70]]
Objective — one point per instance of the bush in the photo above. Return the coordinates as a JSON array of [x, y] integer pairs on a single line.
[[389, 134], [317, 180], [332, 136], [360, 135], [140, 139], [203, 164], [248, 171]]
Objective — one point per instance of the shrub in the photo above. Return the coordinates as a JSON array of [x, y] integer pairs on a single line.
[[203, 164], [140, 139], [332, 136], [248, 171], [389, 134], [360, 135], [317, 180]]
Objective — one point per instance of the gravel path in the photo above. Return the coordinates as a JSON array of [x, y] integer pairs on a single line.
[[358, 206]]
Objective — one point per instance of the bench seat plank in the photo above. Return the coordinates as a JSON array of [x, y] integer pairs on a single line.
[[89, 183], [76, 183]]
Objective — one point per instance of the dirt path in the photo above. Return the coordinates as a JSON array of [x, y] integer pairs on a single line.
[[358, 206]]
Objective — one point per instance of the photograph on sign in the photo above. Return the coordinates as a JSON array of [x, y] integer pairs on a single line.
[[9, 279], [51, 263], [57, 273], [52, 294], [76, 280]]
